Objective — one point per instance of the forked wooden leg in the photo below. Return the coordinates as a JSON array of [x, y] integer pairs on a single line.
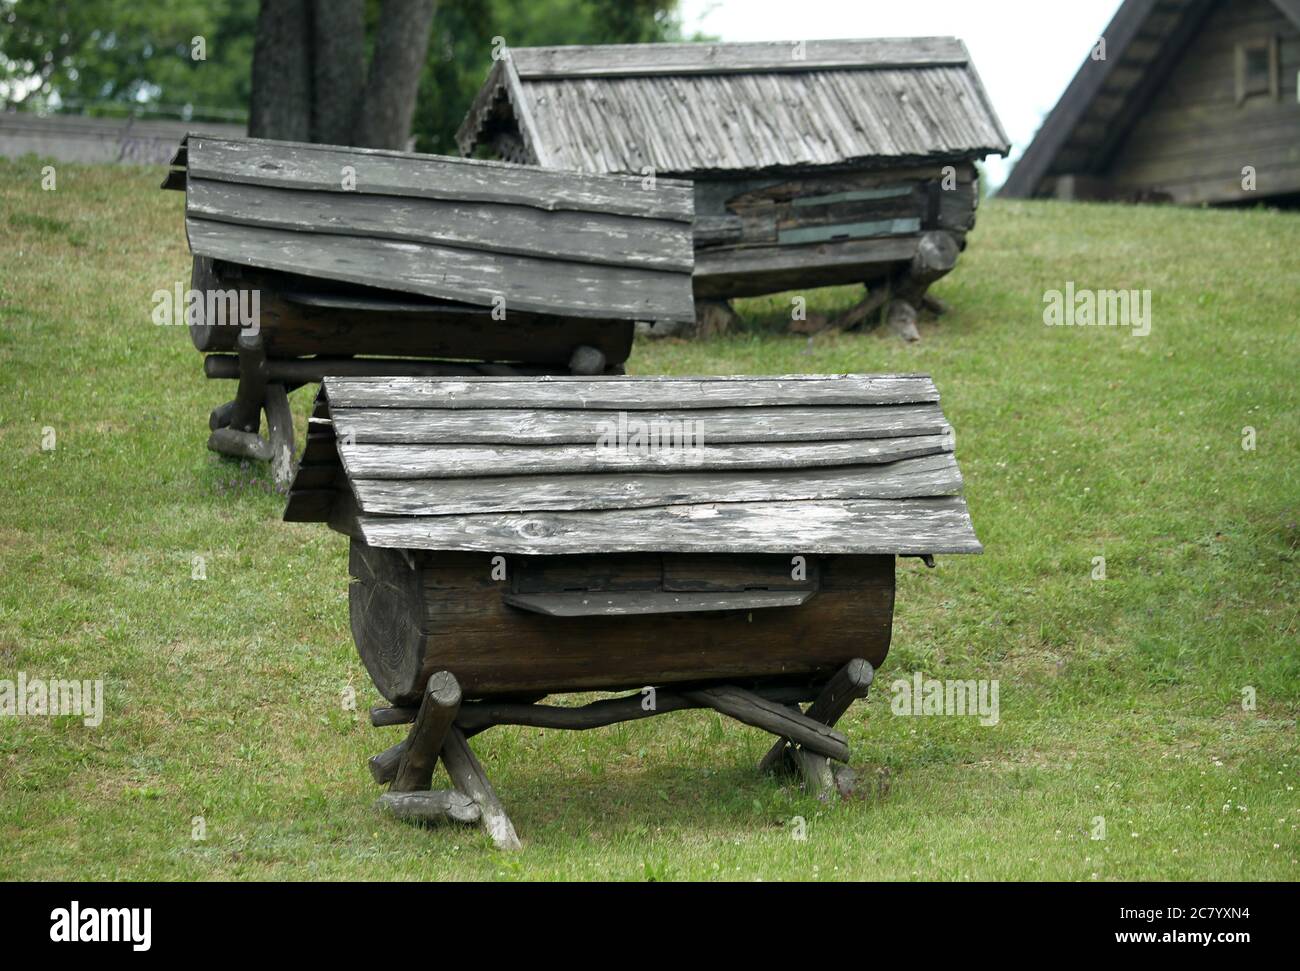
[[437, 712], [468, 777], [279, 427], [848, 684], [409, 764], [816, 772]]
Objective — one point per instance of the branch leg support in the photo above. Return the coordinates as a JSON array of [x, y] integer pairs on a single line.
[[235, 424]]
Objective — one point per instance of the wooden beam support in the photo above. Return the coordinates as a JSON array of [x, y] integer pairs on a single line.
[[478, 716], [468, 776], [313, 370], [430, 808], [437, 712], [753, 709], [279, 425], [246, 415], [849, 683], [383, 715], [383, 767], [240, 444]]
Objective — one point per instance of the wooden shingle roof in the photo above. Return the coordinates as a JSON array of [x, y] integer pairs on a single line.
[[840, 464], [458, 230], [686, 109]]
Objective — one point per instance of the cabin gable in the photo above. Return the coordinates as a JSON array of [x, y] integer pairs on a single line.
[[1194, 102], [1229, 103]]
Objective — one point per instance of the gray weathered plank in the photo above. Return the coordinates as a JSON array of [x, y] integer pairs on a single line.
[[633, 602], [722, 260], [381, 172], [584, 237], [519, 426], [633, 394], [931, 475], [473, 276], [631, 60], [865, 526], [452, 461]]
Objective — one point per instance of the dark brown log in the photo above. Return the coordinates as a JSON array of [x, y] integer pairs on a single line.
[[752, 709], [437, 712], [220, 416], [849, 683], [240, 445], [381, 715], [427, 807], [225, 366], [383, 767], [387, 633], [478, 716], [468, 776], [448, 614], [246, 415], [299, 316]]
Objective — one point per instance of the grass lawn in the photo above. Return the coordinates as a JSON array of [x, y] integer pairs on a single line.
[[1120, 698]]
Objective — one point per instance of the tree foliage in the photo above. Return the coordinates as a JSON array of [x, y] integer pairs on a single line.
[[119, 56]]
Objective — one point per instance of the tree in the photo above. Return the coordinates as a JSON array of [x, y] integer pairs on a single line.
[[310, 80]]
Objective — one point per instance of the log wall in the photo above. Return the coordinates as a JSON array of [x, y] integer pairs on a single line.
[[414, 613]]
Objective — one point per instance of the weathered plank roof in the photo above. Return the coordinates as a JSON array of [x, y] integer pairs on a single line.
[[1098, 109], [687, 109], [468, 231], [800, 464]]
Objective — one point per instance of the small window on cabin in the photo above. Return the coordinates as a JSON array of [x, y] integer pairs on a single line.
[[1257, 69]]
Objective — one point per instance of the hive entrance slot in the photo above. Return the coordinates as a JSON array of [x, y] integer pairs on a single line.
[[584, 586]]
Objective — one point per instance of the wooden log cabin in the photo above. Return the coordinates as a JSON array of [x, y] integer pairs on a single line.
[[315, 259], [724, 543], [816, 163], [1194, 103]]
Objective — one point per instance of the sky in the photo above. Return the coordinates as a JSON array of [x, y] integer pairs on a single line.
[[1026, 51]]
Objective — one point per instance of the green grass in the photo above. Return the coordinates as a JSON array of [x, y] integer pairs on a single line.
[[1120, 698]]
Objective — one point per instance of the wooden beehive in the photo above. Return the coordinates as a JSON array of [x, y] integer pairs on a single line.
[[375, 263], [728, 541], [817, 163]]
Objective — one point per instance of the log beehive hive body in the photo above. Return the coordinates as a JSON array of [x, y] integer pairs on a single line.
[[412, 616], [320, 259], [496, 538], [877, 158]]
